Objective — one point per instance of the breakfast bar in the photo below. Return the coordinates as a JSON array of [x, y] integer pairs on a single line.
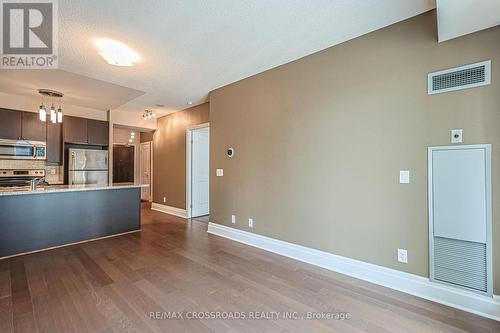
[[53, 216]]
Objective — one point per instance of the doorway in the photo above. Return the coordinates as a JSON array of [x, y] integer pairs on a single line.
[[146, 170], [198, 171]]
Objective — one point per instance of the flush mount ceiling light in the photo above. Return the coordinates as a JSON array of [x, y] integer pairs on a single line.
[[50, 96], [116, 53], [148, 114]]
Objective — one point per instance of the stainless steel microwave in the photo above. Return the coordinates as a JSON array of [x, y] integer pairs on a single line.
[[22, 150]]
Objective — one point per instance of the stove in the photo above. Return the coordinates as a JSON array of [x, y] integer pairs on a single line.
[[20, 177]]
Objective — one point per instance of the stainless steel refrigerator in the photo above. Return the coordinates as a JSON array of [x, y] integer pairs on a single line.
[[87, 166]]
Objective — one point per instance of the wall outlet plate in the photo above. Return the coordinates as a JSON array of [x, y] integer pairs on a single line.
[[250, 223], [233, 219], [164, 199], [404, 177], [457, 135], [403, 256], [219, 172]]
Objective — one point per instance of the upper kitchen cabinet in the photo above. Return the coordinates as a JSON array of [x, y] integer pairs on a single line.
[[33, 128], [18, 125], [10, 124], [98, 132], [85, 131], [75, 130]]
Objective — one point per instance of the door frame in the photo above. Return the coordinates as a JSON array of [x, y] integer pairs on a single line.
[[150, 144], [489, 227], [189, 136]]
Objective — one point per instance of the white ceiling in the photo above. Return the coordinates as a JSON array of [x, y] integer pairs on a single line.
[[189, 48], [458, 18]]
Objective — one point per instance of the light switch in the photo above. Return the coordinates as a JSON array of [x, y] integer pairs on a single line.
[[219, 172], [457, 136], [404, 177]]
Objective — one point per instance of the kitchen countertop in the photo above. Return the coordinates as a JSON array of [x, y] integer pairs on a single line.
[[66, 188]]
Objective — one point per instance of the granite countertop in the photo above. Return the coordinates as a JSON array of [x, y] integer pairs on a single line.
[[66, 188]]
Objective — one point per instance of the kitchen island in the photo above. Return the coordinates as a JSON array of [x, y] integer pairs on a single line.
[[53, 216]]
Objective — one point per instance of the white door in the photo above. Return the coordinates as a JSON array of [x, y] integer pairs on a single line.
[[460, 215], [200, 143], [146, 170]]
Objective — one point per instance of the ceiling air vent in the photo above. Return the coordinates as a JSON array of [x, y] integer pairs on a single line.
[[469, 76]]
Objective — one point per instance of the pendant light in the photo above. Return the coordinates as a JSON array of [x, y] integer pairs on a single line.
[[56, 116], [53, 114], [42, 113], [59, 115]]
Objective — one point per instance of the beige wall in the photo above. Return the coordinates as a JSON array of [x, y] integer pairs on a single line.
[[169, 154], [320, 142]]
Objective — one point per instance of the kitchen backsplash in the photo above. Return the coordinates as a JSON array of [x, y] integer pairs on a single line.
[[53, 174]]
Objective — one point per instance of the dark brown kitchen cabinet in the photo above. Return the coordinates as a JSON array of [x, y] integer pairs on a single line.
[[98, 132], [54, 143], [75, 130], [10, 124], [18, 125], [33, 129]]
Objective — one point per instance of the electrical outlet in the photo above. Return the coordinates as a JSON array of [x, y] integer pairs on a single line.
[[164, 199], [233, 219], [250, 223], [457, 136], [403, 256], [219, 172]]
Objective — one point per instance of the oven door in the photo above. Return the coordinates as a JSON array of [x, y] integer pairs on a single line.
[[16, 150]]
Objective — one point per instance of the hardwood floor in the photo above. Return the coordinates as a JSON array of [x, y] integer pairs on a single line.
[[113, 285]]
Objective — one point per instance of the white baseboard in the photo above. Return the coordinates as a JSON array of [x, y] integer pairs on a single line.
[[408, 283], [169, 210]]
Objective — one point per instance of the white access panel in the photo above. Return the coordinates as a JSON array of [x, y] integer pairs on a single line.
[[459, 194], [460, 220]]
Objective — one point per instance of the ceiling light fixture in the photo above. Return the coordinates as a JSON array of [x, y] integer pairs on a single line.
[[116, 53], [56, 116], [189, 103], [148, 114], [42, 113]]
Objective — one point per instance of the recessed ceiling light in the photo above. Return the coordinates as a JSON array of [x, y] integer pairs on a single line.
[[116, 53], [189, 103], [160, 105]]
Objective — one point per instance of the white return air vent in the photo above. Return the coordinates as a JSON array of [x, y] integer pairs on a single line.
[[468, 76]]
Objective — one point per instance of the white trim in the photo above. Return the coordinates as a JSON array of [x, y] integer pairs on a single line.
[[141, 147], [189, 136], [405, 282], [487, 77], [198, 126], [169, 210], [489, 232]]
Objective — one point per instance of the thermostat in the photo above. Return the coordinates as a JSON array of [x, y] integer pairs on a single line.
[[230, 152]]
